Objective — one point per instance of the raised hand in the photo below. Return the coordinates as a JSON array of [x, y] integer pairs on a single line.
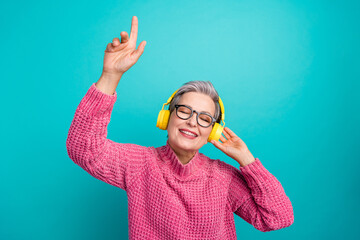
[[234, 147], [121, 55]]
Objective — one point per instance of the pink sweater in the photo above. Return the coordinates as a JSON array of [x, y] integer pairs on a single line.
[[169, 200]]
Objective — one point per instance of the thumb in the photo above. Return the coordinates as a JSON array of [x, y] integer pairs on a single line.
[[137, 53]]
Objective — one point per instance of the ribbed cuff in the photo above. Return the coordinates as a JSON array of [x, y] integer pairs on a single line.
[[255, 172], [97, 103]]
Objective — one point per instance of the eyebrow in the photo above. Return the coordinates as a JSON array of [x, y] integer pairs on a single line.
[[195, 110]]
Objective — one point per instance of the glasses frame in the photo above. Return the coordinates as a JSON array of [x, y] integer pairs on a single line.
[[192, 113]]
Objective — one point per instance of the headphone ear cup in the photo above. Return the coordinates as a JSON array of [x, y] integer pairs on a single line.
[[215, 132], [163, 119]]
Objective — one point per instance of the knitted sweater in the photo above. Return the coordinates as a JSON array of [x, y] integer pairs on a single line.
[[169, 200]]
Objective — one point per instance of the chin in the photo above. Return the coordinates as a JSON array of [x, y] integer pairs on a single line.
[[188, 147], [185, 144]]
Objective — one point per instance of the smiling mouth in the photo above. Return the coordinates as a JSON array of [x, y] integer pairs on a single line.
[[188, 133]]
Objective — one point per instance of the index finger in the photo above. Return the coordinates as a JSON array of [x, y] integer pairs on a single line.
[[134, 29], [231, 133]]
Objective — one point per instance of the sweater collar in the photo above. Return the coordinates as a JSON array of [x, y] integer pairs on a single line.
[[172, 161]]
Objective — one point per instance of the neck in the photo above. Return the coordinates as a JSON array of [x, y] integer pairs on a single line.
[[183, 156]]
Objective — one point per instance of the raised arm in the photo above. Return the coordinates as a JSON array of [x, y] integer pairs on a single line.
[[87, 142]]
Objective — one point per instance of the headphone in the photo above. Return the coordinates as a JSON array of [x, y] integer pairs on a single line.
[[164, 116]]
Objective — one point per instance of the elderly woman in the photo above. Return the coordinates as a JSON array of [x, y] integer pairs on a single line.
[[175, 192]]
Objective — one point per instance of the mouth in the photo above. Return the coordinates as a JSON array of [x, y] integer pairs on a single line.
[[188, 133]]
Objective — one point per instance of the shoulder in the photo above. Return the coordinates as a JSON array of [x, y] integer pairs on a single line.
[[131, 149], [217, 167]]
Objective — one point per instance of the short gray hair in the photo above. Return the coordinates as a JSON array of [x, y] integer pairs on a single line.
[[204, 87]]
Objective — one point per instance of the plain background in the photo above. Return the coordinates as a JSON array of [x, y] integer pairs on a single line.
[[287, 72]]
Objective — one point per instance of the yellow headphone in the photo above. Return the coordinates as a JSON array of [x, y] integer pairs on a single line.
[[164, 116]]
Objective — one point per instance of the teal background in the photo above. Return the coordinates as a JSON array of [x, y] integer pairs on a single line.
[[287, 72]]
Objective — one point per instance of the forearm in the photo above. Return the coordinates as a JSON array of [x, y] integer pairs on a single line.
[[269, 208], [245, 159], [107, 83]]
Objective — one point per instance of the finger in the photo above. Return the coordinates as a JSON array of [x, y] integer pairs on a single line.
[[226, 134], [116, 42], [134, 29], [109, 48], [113, 47], [222, 139], [231, 133], [124, 37], [218, 145], [137, 53]]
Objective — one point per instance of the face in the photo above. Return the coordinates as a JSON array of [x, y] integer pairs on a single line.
[[183, 142]]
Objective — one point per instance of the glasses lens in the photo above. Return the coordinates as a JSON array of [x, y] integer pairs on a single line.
[[183, 112], [204, 120]]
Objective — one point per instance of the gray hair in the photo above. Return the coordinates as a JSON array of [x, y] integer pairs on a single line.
[[204, 87]]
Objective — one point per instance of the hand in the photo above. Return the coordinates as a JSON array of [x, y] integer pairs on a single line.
[[234, 147], [120, 56]]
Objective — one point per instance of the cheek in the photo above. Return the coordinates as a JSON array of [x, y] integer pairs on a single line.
[[171, 124], [208, 130], [205, 134]]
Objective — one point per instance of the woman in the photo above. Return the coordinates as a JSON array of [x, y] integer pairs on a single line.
[[175, 192]]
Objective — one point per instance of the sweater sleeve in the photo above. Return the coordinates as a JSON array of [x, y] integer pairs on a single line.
[[88, 147], [258, 197]]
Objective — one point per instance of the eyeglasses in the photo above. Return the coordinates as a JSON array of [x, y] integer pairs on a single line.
[[203, 119]]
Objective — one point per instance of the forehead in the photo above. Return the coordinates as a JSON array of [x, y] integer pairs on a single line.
[[198, 101]]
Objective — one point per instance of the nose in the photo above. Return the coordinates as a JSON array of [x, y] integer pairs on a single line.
[[192, 121]]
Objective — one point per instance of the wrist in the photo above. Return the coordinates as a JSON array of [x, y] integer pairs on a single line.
[[108, 83], [110, 77], [247, 161]]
